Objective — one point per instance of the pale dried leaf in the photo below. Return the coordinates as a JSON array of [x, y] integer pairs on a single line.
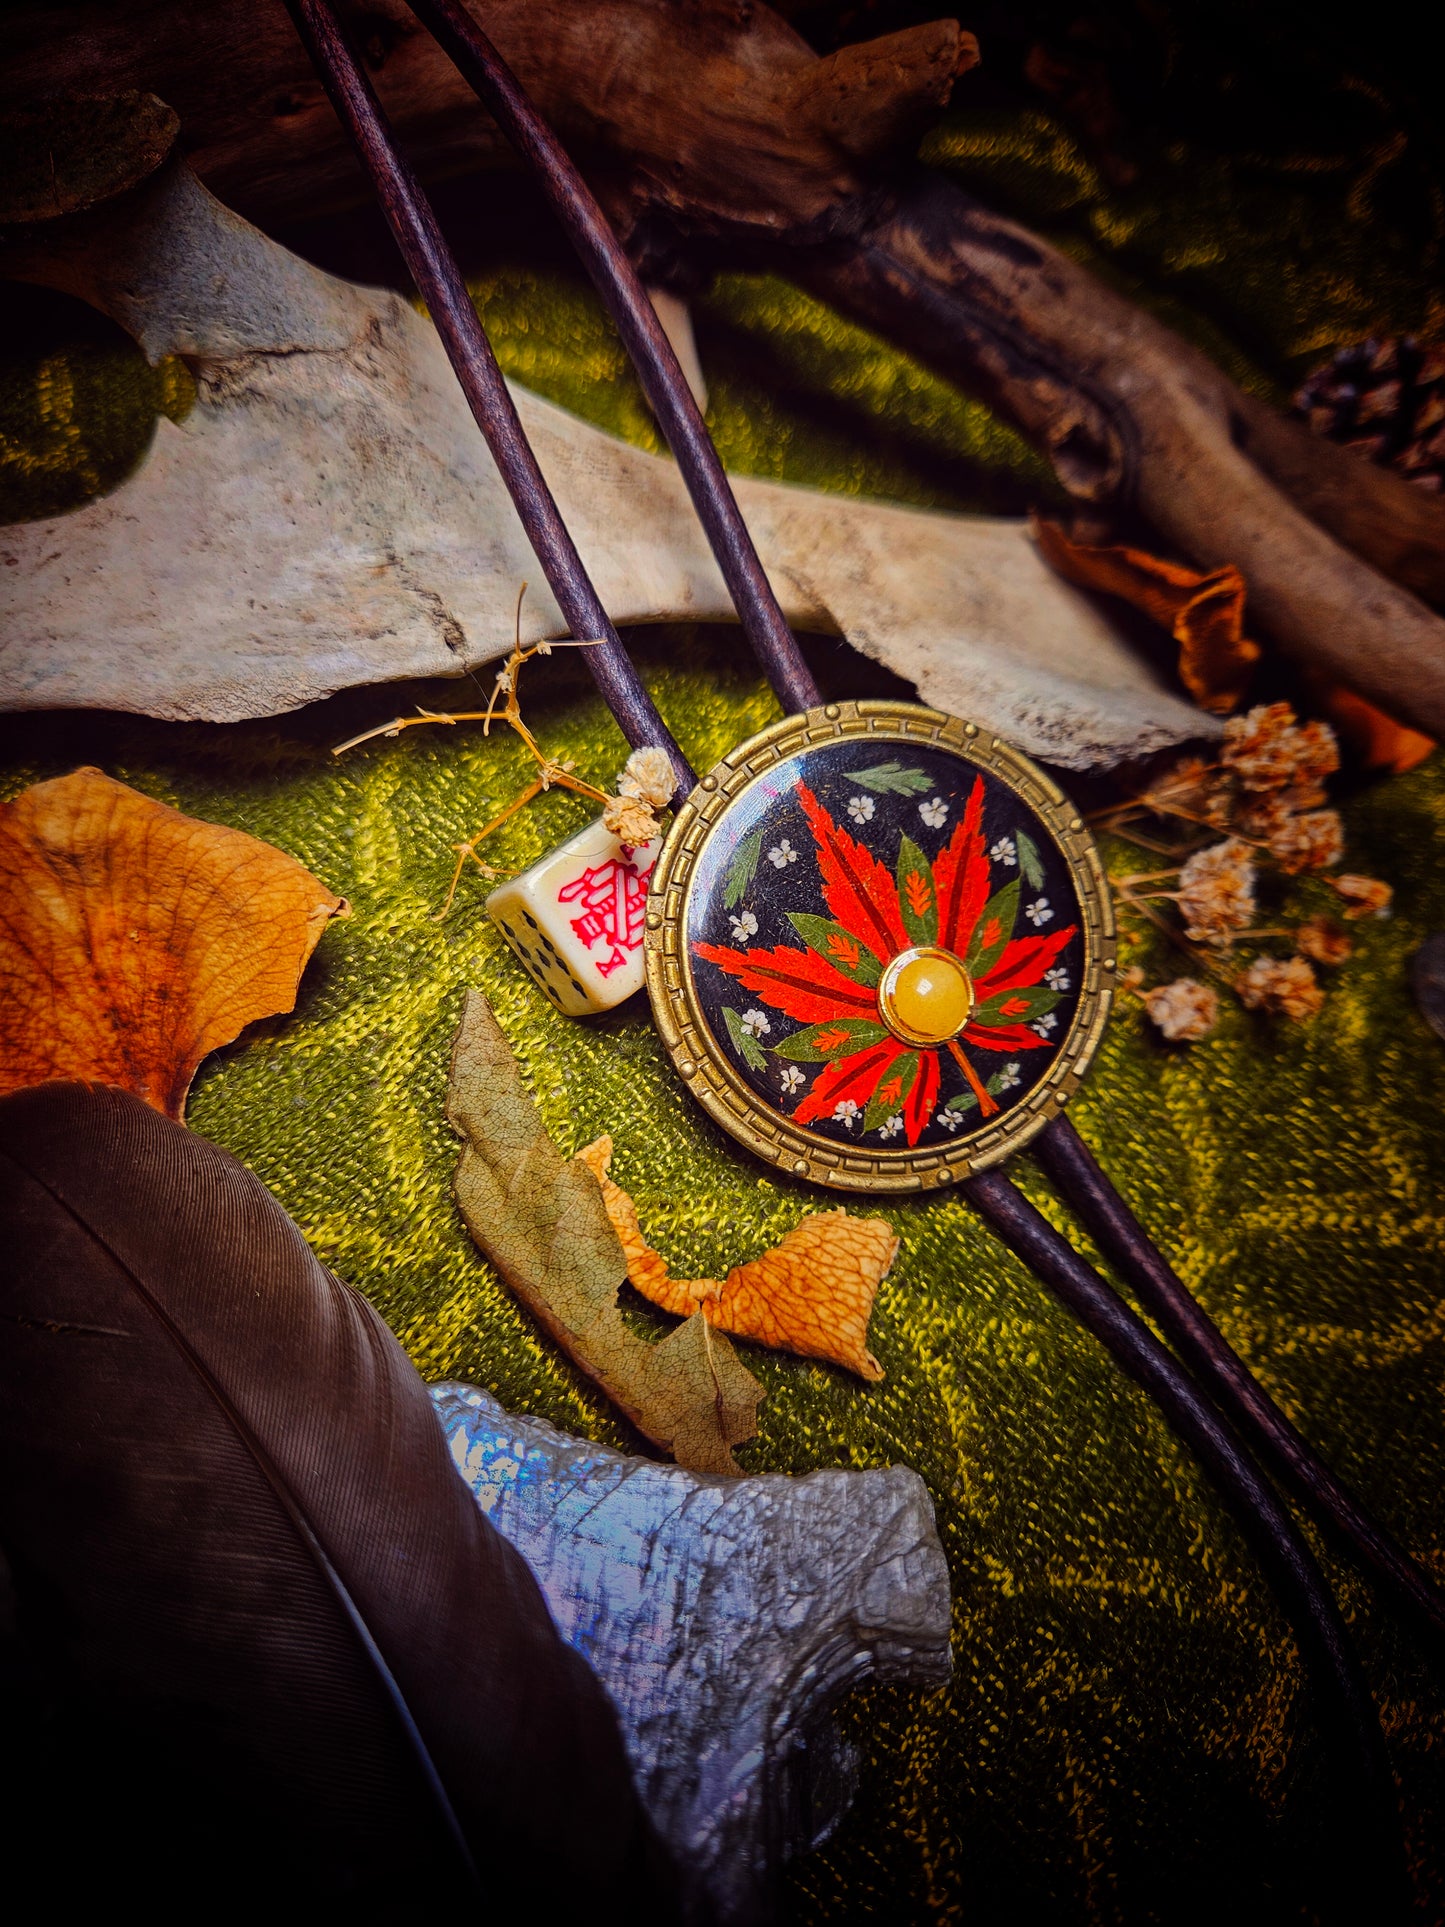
[[540, 1219]]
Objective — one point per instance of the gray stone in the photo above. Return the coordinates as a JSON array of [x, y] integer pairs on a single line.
[[725, 1617]]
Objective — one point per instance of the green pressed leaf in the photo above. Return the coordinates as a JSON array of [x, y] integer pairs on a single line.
[[1030, 861], [839, 1037], [1037, 999], [744, 1043], [891, 779], [837, 946], [542, 1221], [993, 930], [881, 1108], [742, 869], [917, 897]]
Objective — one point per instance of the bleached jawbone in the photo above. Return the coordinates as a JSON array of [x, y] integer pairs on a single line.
[[329, 515], [725, 1617]]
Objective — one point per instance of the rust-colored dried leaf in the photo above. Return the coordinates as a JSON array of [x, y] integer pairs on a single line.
[[1376, 738], [812, 1294], [134, 940], [1203, 612]]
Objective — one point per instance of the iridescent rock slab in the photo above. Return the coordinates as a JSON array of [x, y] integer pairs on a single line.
[[726, 1618]]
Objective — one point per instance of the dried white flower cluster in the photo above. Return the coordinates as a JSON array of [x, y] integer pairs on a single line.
[[1216, 893], [644, 787], [1285, 986], [1267, 796], [1185, 1010]]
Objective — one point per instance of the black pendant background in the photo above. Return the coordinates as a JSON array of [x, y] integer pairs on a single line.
[[770, 806]]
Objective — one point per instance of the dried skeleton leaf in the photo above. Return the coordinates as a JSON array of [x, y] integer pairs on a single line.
[[540, 1219], [135, 940], [811, 1294]]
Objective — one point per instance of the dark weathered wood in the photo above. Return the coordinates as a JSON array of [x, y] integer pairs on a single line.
[[432, 266], [1371, 1866], [663, 382], [1131, 414], [1208, 1354]]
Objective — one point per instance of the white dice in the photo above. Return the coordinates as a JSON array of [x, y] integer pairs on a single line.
[[575, 919]]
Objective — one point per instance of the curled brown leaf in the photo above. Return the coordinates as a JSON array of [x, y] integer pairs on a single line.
[[1203, 611], [812, 1294]]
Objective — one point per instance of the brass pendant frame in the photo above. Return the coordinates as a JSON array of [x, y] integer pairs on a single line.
[[699, 1058]]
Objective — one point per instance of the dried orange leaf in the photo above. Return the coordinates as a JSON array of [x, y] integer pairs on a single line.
[[1376, 738], [812, 1294], [135, 940], [1203, 612]]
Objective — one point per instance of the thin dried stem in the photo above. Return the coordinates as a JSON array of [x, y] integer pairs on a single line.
[[399, 723], [551, 774]]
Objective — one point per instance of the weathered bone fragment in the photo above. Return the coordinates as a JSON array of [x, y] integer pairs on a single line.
[[713, 121], [329, 515], [726, 1617]]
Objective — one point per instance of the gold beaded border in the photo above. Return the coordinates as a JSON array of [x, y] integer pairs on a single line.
[[700, 1060]]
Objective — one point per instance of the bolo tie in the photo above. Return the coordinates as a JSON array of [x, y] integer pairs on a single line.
[[880, 945]]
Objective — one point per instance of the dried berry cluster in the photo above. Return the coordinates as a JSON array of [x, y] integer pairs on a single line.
[[1262, 808]]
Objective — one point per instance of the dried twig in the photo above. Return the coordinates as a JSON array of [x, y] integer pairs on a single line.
[[551, 774]]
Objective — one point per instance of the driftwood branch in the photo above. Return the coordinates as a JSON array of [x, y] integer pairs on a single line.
[[709, 125], [1337, 554]]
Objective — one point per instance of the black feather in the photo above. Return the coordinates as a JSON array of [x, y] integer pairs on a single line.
[[255, 1615]]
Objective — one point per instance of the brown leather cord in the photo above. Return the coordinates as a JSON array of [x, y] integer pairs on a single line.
[[1377, 1873], [1082, 1184], [439, 281], [1298, 1582], [616, 281]]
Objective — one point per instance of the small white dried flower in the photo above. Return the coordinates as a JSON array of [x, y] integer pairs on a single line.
[[630, 820], [1004, 852], [1038, 912], [1185, 1010], [1267, 749], [648, 773], [1363, 896], [1322, 941], [861, 808], [756, 1022], [1216, 893], [935, 814], [1310, 842], [744, 926], [845, 1112], [782, 854], [790, 1077], [1287, 987]]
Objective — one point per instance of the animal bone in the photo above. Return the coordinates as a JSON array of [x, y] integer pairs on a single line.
[[725, 1617], [714, 123], [329, 515]]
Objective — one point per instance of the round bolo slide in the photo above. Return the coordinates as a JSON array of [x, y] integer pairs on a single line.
[[880, 946]]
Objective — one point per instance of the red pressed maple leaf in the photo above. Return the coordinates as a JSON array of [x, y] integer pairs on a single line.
[[862, 1063]]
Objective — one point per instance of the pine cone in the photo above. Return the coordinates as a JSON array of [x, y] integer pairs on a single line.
[[1386, 398]]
